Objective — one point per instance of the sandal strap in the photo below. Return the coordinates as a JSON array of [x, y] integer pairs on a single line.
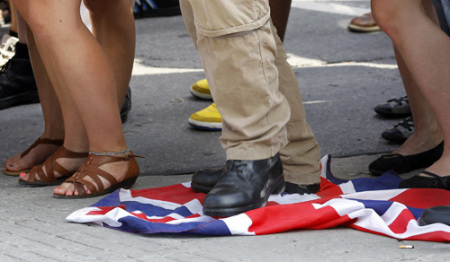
[[441, 179], [430, 173], [45, 141], [91, 169], [52, 167]]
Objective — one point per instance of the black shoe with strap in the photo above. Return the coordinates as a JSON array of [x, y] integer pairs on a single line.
[[400, 132], [433, 181], [396, 107]]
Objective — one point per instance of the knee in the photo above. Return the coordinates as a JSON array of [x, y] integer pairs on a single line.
[[385, 18], [38, 24]]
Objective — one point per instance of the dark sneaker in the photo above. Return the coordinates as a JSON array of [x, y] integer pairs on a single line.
[[400, 132], [244, 185], [437, 214], [126, 107], [396, 107], [17, 84], [154, 8]]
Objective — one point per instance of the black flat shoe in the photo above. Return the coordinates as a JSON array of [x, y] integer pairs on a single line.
[[437, 214], [403, 164], [245, 185], [435, 181]]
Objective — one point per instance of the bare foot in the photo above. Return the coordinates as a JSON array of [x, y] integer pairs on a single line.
[[120, 170], [440, 167], [63, 163], [415, 145], [34, 155]]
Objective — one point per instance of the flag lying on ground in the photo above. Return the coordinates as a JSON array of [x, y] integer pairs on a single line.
[[371, 205]]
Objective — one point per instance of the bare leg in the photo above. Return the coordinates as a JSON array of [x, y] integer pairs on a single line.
[[82, 76], [279, 12], [424, 50], [113, 27], [12, 9], [51, 110], [427, 132]]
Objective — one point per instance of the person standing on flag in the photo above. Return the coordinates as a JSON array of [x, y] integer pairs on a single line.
[[257, 94]]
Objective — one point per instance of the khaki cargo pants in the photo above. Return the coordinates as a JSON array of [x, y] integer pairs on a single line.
[[253, 86]]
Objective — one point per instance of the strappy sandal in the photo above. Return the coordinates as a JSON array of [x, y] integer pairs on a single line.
[[44, 141], [48, 178], [89, 175]]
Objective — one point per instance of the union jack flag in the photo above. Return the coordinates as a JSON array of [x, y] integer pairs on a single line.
[[372, 205]]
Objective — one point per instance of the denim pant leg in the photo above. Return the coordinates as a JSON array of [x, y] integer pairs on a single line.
[[443, 12]]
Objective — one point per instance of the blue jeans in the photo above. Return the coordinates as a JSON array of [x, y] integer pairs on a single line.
[[443, 11]]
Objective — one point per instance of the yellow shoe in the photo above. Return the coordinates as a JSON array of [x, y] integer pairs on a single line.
[[207, 119], [200, 89]]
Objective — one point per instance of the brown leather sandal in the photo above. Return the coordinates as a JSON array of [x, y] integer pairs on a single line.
[[48, 178], [44, 141], [89, 176]]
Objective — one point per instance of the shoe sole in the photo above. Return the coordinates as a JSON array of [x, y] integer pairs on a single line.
[[360, 29], [126, 184], [57, 182], [22, 99], [390, 114], [199, 95], [277, 188], [200, 188], [6, 172], [205, 126]]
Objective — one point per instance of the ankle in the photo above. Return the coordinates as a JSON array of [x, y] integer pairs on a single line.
[[114, 154]]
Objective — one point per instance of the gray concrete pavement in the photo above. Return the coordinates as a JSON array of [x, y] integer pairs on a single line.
[[342, 76]]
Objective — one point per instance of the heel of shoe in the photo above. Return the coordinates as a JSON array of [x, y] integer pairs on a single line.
[[127, 184]]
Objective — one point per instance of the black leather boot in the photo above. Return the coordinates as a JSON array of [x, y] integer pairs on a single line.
[[244, 185], [205, 179], [17, 84]]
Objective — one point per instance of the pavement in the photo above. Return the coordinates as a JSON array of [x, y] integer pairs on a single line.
[[342, 76]]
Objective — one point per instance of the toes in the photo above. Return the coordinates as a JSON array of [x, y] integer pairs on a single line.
[[66, 190], [24, 176]]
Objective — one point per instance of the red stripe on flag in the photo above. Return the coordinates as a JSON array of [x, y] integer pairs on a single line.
[[423, 197]]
